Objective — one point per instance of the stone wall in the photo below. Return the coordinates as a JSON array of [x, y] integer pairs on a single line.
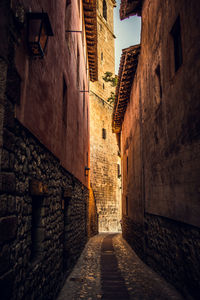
[[104, 162], [133, 233], [64, 226], [172, 249]]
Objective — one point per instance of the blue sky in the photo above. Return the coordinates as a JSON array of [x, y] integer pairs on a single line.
[[127, 33]]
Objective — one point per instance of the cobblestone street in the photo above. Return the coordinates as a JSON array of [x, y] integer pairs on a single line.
[[109, 267]]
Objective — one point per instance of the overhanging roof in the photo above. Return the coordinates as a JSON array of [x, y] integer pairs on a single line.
[[129, 8], [90, 15], [127, 70]]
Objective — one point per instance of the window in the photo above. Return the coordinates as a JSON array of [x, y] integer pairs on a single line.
[[104, 133], [78, 66], [126, 205], [158, 86], [78, 6], [101, 55], [37, 231], [103, 86], [87, 119], [77, 127], [127, 164], [176, 35], [118, 171], [67, 15], [104, 9], [83, 98], [64, 108]]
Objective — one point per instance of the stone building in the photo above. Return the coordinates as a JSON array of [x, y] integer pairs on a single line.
[[104, 156], [46, 214], [156, 113]]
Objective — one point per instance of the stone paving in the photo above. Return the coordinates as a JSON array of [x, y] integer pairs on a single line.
[[141, 282]]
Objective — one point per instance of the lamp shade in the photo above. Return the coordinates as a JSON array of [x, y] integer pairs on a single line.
[[38, 31]]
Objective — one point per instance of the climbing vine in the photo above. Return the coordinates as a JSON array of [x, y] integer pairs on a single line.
[[108, 77]]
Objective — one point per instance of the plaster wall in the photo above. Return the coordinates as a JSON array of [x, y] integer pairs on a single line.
[[60, 123], [166, 135], [160, 137]]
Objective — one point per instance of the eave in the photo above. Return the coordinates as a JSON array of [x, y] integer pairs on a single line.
[[90, 16], [127, 70], [129, 8]]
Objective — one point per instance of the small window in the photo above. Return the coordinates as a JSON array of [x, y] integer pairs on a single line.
[[104, 9], [176, 35], [77, 126], [64, 108], [118, 171], [78, 66], [158, 85], [126, 205], [67, 16], [127, 164], [78, 6], [87, 119], [103, 86], [83, 98], [37, 230], [104, 133], [101, 55]]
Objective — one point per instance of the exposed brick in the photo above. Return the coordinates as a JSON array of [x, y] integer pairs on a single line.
[[5, 160], [4, 259], [8, 228], [9, 115], [13, 85], [3, 205], [172, 249], [7, 182], [8, 140]]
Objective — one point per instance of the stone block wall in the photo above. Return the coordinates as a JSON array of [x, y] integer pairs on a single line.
[[133, 233], [172, 249], [64, 228], [104, 162]]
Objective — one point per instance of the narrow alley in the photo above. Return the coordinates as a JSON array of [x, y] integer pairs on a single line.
[[99, 149], [109, 269]]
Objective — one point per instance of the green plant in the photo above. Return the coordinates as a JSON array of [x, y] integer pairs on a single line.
[[108, 77]]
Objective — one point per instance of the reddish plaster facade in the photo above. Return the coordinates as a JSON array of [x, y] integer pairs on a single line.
[[160, 144], [60, 122], [160, 131]]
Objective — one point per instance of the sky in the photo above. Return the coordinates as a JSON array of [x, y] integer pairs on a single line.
[[127, 33]]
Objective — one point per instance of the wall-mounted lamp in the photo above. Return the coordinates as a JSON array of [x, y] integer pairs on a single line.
[[87, 171], [38, 31]]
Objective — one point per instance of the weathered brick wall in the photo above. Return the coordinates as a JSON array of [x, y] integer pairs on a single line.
[[104, 157], [104, 165]]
